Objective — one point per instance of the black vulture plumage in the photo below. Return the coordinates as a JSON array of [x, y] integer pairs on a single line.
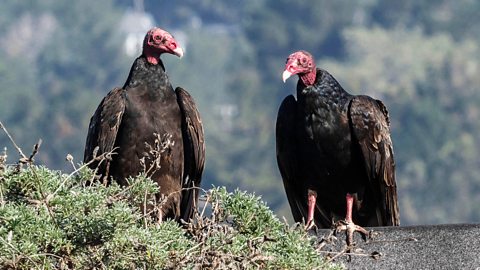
[[146, 112], [334, 151]]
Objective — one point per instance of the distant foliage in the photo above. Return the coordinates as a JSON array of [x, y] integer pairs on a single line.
[[59, 58], [431, 86], [51, 220]]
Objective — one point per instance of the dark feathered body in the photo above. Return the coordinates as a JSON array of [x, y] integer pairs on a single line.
[[150, 108], [328, 141], [129, 117]]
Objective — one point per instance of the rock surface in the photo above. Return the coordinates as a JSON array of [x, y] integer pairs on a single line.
[[455, 246]]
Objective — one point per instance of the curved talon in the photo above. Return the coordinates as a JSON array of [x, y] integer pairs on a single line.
[[350, 228], [310, 225]]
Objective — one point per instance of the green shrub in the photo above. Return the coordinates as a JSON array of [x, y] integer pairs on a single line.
[[51, 220]]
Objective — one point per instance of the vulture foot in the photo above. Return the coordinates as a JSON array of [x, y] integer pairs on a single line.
[[310, 225], [350, 228]]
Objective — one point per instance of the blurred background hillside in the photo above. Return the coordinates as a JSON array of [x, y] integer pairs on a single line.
[[422, 58]]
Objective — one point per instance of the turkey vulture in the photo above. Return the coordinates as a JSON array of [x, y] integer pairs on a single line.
[[335, 153], [146, 118]]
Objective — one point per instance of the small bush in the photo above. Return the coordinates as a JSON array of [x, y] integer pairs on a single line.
[[50, 220]]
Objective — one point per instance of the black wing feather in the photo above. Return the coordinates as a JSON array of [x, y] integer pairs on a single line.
[[371, 127], [104, 126], [194, 149], [291, 142], [287, 149]]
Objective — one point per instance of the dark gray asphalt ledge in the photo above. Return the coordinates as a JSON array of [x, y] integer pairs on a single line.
[[455, 246]]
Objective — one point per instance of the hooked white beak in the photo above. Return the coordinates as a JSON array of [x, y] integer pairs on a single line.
[[178, 52], [286, 74]]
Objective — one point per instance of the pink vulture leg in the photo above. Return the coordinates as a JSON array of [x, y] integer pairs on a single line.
[[348, 225], [348, 216], [312, 198]]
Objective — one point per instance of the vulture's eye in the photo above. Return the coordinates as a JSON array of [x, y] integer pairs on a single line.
[[304, 60], [157, 37]]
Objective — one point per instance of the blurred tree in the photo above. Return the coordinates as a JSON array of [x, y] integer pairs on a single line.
[[240, 145], [459, 18], [433, 102], [58, 59], [58, 54]]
